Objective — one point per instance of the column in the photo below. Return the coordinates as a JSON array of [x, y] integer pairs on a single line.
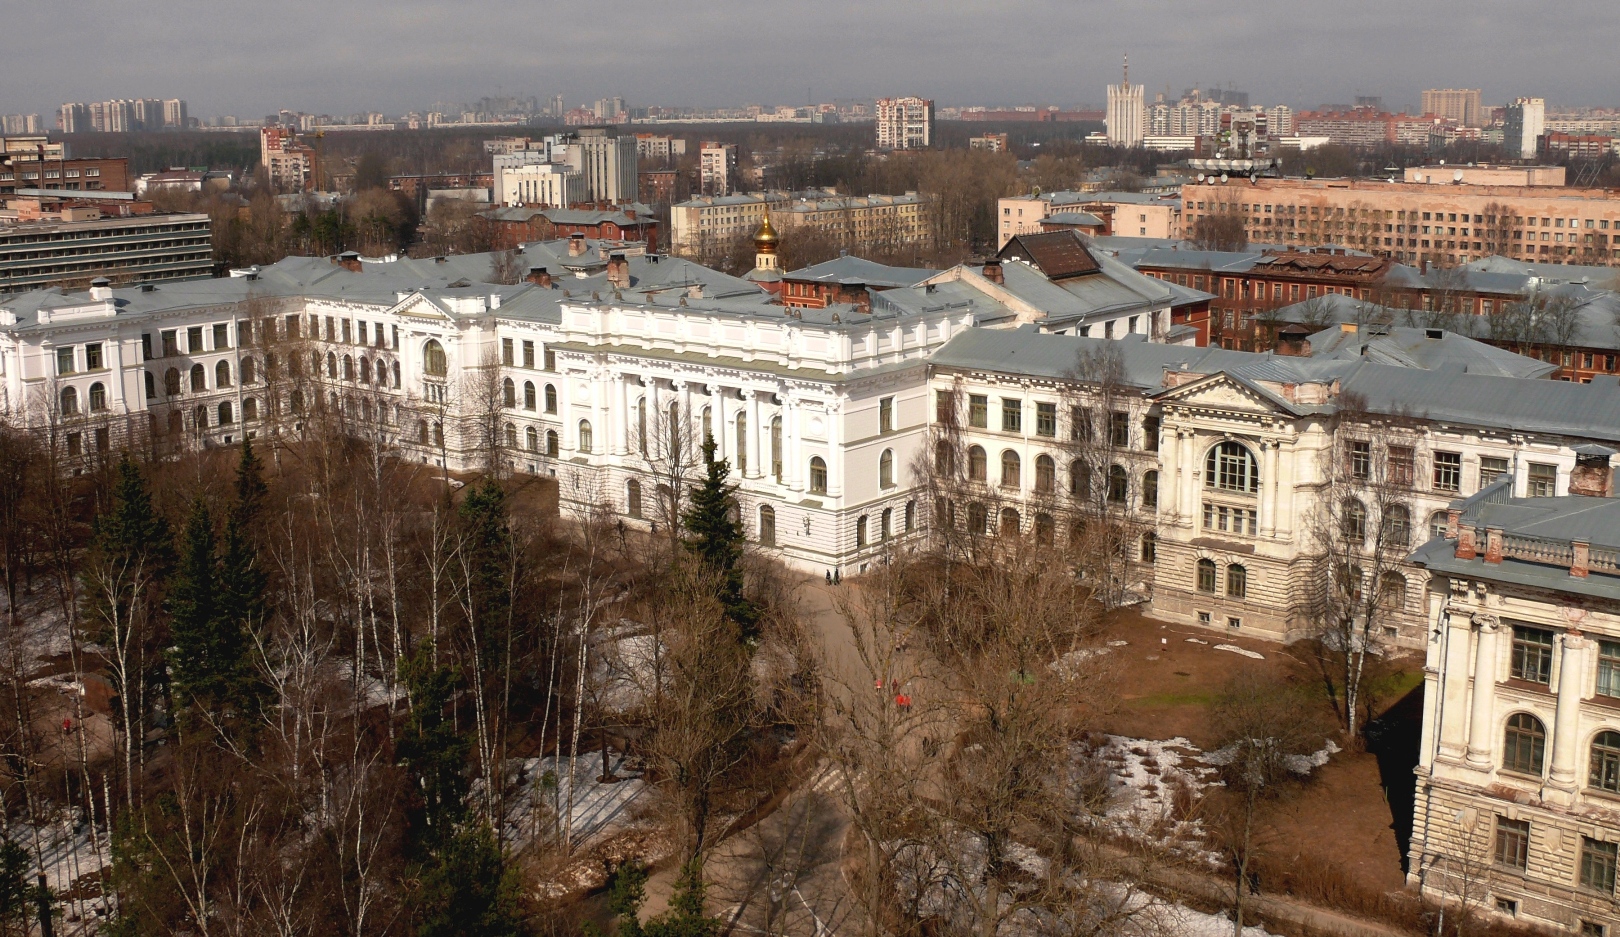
[[1453, 690], [570, 429], [625, 441], [756, 465], [792, 471], [1482, 717], [1566, 724], [722, 442], [1189, 485]]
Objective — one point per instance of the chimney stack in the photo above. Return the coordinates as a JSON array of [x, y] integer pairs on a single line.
[[618, 271], [576, 244], [101, 288], [992, 271], [1593, 475], [540, 277], [350, 261]]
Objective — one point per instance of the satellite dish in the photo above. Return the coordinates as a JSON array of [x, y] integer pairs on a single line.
[[1442, 162], [1223, 177], [1457, 176], [1200, 177], [1253, 177]]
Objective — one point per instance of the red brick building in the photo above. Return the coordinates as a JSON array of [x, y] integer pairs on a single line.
[[509, 227], [24, 171]]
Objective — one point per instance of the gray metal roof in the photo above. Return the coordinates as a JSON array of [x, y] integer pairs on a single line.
[[852, 270], [1435, 349], [1559, 520]]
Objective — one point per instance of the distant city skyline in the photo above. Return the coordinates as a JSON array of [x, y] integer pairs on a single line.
[[402, 56]]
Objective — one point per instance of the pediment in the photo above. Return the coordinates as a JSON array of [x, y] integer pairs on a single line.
[[420, 307], [1221, 392]]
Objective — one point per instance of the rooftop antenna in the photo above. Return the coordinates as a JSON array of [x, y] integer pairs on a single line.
[[1127, 77]]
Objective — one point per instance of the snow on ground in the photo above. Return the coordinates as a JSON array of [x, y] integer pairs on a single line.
[[1151, 915], [72, 857], [1238, 650], [540, 807], [1152, 787]]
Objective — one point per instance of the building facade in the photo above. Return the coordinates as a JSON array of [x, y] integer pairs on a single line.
[[1525, 122], [133, 249], [717, 162], [905, 123], [1127, 117], [608, 162], [1454, 104], [1131, 214]]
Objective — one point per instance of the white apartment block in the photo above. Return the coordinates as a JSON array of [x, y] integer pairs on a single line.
[[609, 164], [1126, 116], [551, 185], [1135, 214], [716, 164], [1525, 123], [905, 123]]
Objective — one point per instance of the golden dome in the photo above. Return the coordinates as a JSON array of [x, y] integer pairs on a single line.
[[765, 238]]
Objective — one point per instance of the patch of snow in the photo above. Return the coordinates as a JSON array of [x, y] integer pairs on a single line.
[[60, 681], [1238, 650], [1118, 643], [1068, 666], [1196, 641], [540, 805]]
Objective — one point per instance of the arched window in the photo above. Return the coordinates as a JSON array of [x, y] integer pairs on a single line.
[[225, 414], [551, 405], [886, 524], [1011, 469], [1439, 522], [1605, 772], [98, 397], [1011, 523], [818, 476], [528, 395], [1524, 744], [944, 464], [396, 375], [1150, 491], [365, 370], [531, 439], [886, 469], [1392, 591], [201, 416], [1079, 479], [511, 436], [1150, 547], [315, 363], [707, 422], [70, 401], [422, 432], [297, 401], [249, 371], [151, 386], [1353, 521], [508, 393], [1045, 474], [438, 433], [551, 443], [977, 468], [978, 518], [585, 436], [348, 367], [741, 454], [767, 526], [1206, 576], [177, 422], [911, 516], [1237, 581], [776, 449], [331, 365], [222, 374], [632, 497], [199, 379], [250, 409], [171, 382], [860, 531], [1119, 484], [1230, 466], [269, 365], [1397, 530], [1349, 578], [1045, 530], [433, 360]]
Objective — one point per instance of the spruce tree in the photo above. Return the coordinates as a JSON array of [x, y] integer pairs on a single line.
[[716, 538], [242, 585], [488, 544], [130, 534], [432, 752], [195, 664]]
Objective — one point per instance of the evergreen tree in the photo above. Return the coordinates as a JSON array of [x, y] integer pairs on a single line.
[[468, 889], [488, 545], [242, 586], [716, 538], [250, 486], [685, 917], [432, 751], [130, 534], [15, 893], [195, 664]]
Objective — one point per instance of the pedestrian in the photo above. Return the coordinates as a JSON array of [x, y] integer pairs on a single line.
[[829, 577]]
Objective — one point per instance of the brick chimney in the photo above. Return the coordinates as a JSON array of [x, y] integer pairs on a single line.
[[350, 261], [1593, 475], [1580, 558], [992, 271], [576, 244], [540, 277], [630, 213], [1493, 544], [618, 271], [1291, 341], [1466, 547]]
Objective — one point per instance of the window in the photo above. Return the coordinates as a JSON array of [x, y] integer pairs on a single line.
[[348, 367], [945, 407], [1605, 771], [1597, 865], [776, 449], [1119, 484], [551, 360], [1119, 430], [818, 475], [64, 360], [331, 365], [98, 397], [1448, 471], [552, 443], [885, 468], [433, 359], [1011, 523], [1542, 481], [1397, 527], [92, 357], [886, 524], [1150, 433], [886, 415], [978, 464], [1359, 462], [1532, 654], [1524, 744], [767, 526], [528, 395], [551, 399], [1045, 474], [146, 346], [979, 411], [1046, 419], [978, 519], [860, 531], [911, 516], [171, 381], [225, 414], [70, 401], [528, 353], [171, 344], [1010, 470], [1608, 678], [199, 379], [585, 439], [1079, 423], [151, 386], [508, 351], [194, 339], [249, 372], [222, 336], [1206, 576], [1237, 581], [250, 409], [1080, 479], [1012, 415], [1353, 521], [1231, 467], [1150, 490], [1150, 547], [1512, 843], [1392, 591]]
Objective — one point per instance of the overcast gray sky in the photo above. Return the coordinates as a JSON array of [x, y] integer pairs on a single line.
[[233, 57]]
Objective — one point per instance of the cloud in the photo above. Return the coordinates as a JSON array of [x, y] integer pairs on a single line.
[[410, 54]]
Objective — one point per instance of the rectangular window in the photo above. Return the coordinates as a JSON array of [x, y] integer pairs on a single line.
[[1400, 466], [1079, 423], [1150, 433], [331, 328], [1119, 430], [886, 415], [171, 344], [293, 327], [1542, 481], [1597, 865], [1448, 471], [1360, 460], [1046, 419], [1012, 415], [508, 351], [194, 339], [528, 353], [360, 336], [348, 331], [64, 360], [394, 333], [978, 410], [222, 336], [146, 346], [945, 407], [551, 360], [1532, 655], [1608, 673], [1491, 468], [1512, 843], [92, 357]]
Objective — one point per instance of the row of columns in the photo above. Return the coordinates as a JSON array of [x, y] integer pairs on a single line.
[[1188, 497]]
